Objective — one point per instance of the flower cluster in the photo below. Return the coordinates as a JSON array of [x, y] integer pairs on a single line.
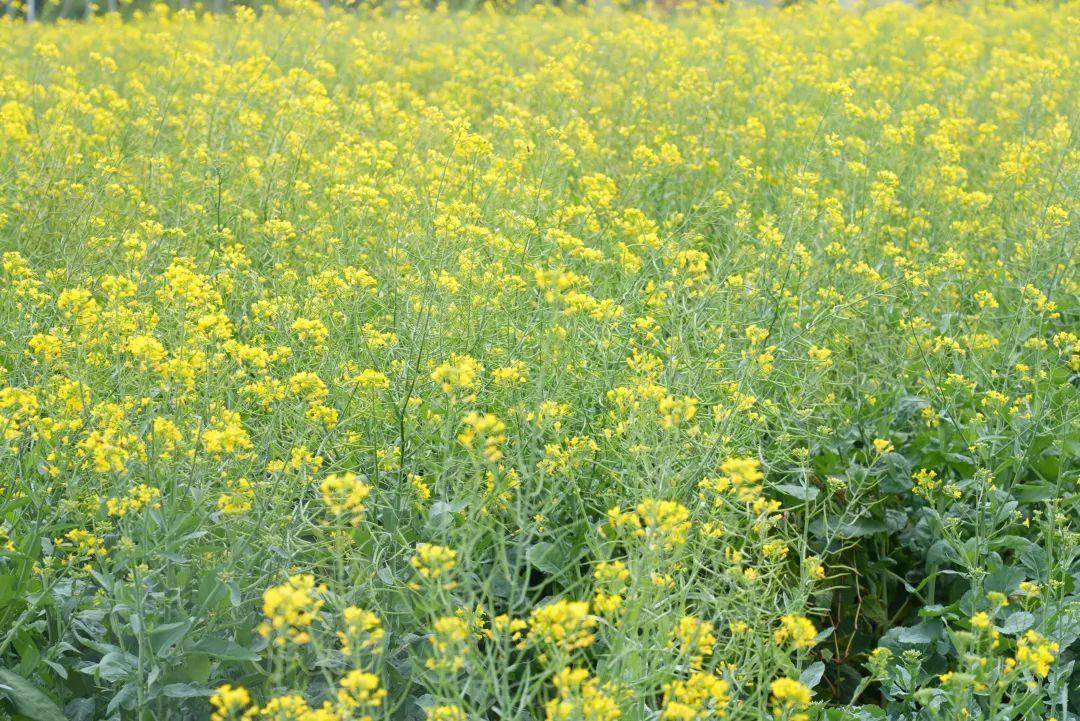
[[291, 609], [344, 495]]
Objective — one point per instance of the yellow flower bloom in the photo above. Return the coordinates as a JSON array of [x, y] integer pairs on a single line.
[[580, 697], [344, 495], [432, 562], [563, 624], [789, 695], [291, 609], [798, 631], [229, 702]]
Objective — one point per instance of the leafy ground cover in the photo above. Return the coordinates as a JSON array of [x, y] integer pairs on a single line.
[[560, 364]]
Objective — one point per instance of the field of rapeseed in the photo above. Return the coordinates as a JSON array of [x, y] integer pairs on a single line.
[[557, 364]]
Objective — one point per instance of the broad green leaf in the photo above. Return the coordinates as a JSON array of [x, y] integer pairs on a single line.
[[186, 690], [225, 650], [116, 665], [168, 635], [803, 493], [28, 699], [1017, 623], [811, 675], [921, 633], [548, 557], [860, 527]]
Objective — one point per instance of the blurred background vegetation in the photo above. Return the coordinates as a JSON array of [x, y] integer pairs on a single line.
[[51, 10], [46, 10]]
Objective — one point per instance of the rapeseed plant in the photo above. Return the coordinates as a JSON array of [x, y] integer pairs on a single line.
[[590, 363]]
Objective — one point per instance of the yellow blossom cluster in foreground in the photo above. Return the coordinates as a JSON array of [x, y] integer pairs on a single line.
[[569, 364]]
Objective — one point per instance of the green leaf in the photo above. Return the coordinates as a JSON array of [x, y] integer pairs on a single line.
[[925, 632], [811, 675], [29, 655], [1049, 467], [125, 698], [196, 667], [116, 665], [941, 552], [186, 690], [1034, 492], [1017, 623], [803, 493], [8, 587], [1071, 447], [1005, 580], [860, 527], [168, 635], [1036, 561], [225, 650], [548, 557], [28, 699]]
